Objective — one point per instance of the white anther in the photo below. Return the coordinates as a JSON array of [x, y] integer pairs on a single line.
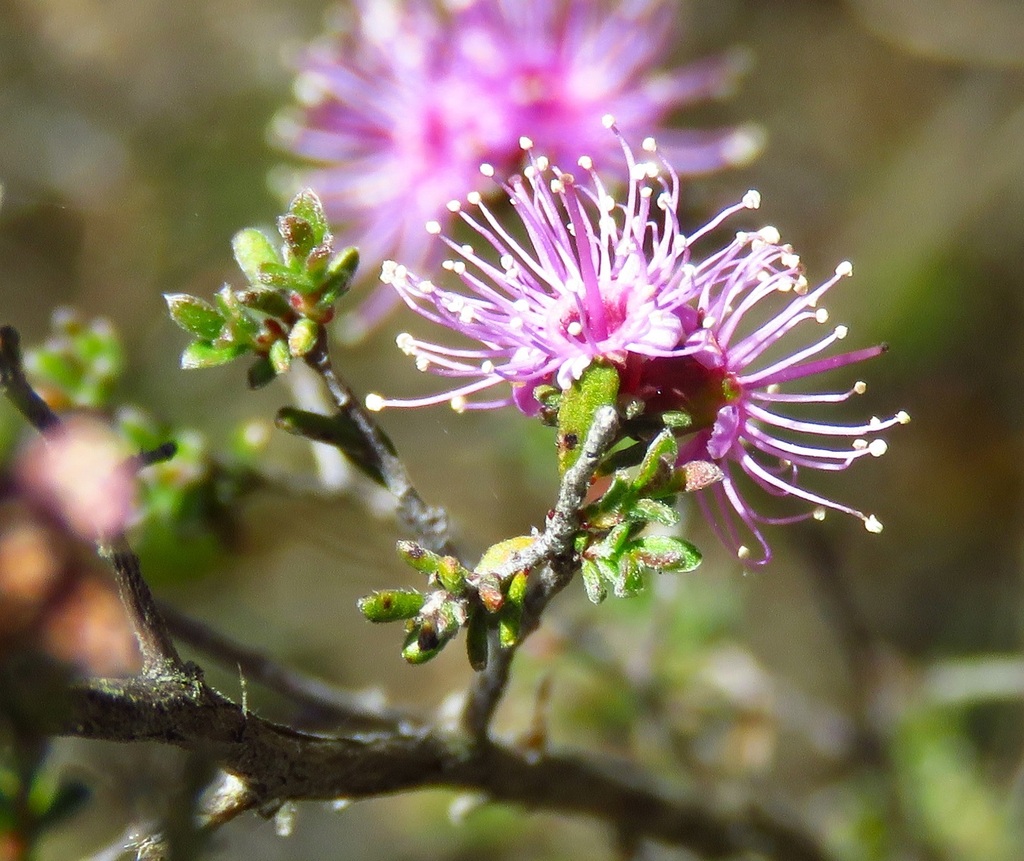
[[474, 198], [821, 315], [818, 513], [845, 268], [770, 235], [433, 227], [374, 403], [752, 199], [458, 403], [406, 343], [872, 524], [743, 552], [842, 332], [525, 143], [649, 145], [860, 387], [586, 162], [487, 367], [454, 205], [487, 169], [878, 447], [574, 328], [903, 417], [608, 120]]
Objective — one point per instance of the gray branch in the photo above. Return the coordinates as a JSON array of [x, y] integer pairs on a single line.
[[278, 764], [553, 550]]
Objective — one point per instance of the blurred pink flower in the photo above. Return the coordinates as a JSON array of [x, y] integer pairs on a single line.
[[78, 471], [400, 110]]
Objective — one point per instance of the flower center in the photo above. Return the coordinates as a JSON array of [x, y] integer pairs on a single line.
[[680, 383]]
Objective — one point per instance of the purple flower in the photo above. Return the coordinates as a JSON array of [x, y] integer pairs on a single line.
[[711, 338], [756, 313], [400, 112]]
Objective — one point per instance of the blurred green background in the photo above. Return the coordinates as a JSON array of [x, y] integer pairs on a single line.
[[874, 683]]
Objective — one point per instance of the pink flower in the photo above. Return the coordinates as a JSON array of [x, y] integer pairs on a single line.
[[619, 281], [400, 112]]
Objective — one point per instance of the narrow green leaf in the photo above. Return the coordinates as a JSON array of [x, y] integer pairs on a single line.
[[202, 354], [280, 358], [509, 625], [593, 582], [476, 640], [652, 510], [659, 460], [598, 386], [281, 277], [391, 605], [337, 278], [269, 302], [445, 569], [260, 373], [337, 430], [195, 316], [253, 251], [630, 581], [307, 206], [663, 553]]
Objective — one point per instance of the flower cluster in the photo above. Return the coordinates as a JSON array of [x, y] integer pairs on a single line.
[[710, 338], [401, 107]]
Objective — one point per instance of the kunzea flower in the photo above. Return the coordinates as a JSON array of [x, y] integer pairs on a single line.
[[760, 331], [715, 340], [400, 109], [589, 278]]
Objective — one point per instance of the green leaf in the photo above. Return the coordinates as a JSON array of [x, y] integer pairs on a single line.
[[663, 553], [194, 315], [598, 386], [280, 357], [337, 278], [307, 206], [298, 236], [337, 430], [630, 581], [659, 460], [203, 354], [445, 569], [260, 373], [253, 251], [476, 640], [593, 582], [509, 624], [432, 634], [652, 510], [391, 605], [281, 277], [269, 302]]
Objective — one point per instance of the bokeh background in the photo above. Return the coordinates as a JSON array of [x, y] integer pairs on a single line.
[[873, 683]]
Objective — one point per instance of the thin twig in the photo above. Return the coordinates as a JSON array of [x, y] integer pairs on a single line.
[[323, 703], [428, 523], [553, 549], [17, 389]]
